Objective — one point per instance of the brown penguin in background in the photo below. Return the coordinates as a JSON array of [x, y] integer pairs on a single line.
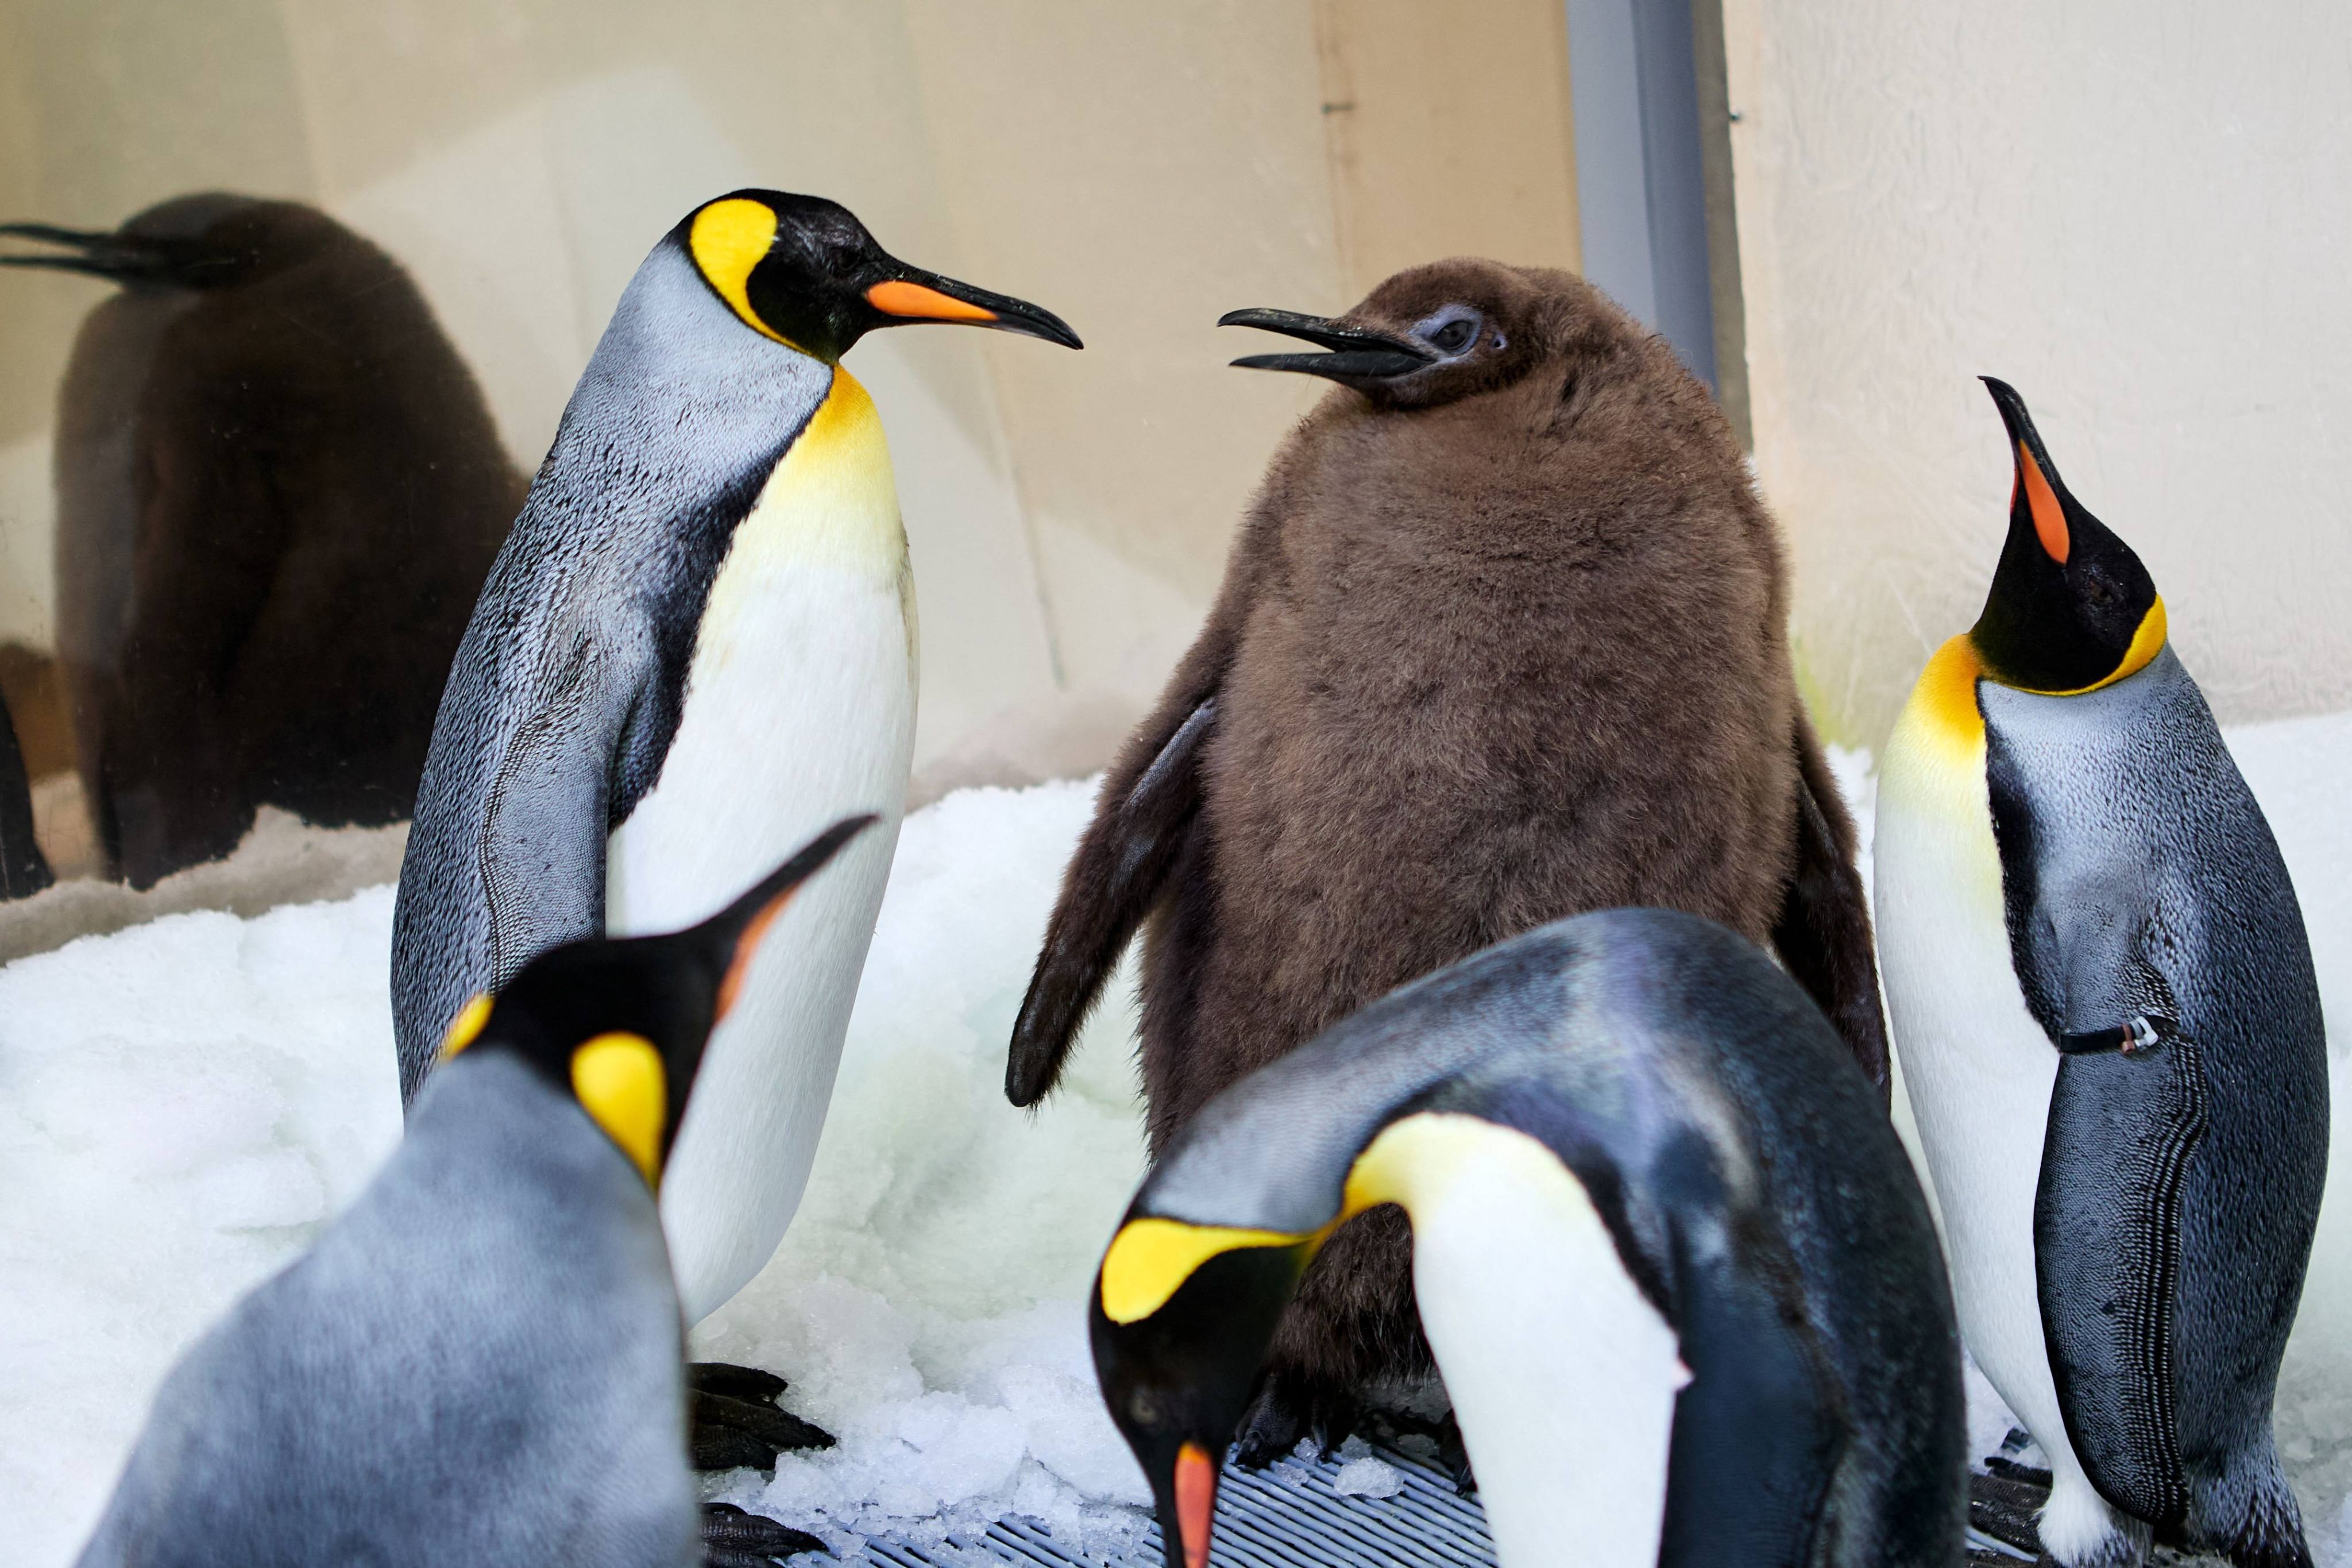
[[1502, 639], [279, 493]]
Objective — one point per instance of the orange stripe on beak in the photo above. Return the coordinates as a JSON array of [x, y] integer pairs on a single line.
[[746, 945], [1196, 1499], [2049, 517], [916, 302]]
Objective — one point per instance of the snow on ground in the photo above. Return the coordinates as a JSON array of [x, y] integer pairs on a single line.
[[183, 1103]]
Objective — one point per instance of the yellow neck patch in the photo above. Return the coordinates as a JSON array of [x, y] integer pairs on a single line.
[[621, 1084], [729, 238], [1151, 1259], [466, 1027]]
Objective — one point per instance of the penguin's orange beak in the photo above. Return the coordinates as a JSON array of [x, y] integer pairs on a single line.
[[1196, 1502], [912, 295]]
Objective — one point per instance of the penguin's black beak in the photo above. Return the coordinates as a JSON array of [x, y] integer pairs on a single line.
[[117, 258], [2039, 499], [910, 294], [1359, 357]]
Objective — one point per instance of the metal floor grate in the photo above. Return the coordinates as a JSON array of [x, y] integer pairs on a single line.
[[1280, 1517]]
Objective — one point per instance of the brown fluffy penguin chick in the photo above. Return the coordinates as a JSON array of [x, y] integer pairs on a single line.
[[279, 493], [1502, 639]]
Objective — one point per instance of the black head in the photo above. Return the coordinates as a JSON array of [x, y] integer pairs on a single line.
[[1179, 1372], [620, 1023], [2071, 606], [804, 270], [1426, 336], [209, 240]]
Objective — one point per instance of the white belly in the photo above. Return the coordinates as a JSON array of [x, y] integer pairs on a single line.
[[800, 710], [1561, 1374], [1979, 1071]]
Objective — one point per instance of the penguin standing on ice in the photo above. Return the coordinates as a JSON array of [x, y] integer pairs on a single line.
[[696, 647], [2110, 1033], [1680, 1279], [1502, 639], [279, 491], [480, 1362]]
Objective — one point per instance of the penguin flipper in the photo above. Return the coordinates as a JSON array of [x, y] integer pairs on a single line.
[[1147, 809], [2127, 1113], [1822, 934], [549, 815], [24, 869]]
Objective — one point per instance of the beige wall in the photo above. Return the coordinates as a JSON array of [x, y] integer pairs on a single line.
[[1139, 168], [2135, 211]]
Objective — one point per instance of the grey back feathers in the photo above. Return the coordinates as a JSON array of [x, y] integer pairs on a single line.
[[1754, 1188], [479, 1363], [567, 686], [2180, 1185], [278, 490]]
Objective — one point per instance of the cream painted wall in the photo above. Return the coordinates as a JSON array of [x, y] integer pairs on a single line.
[[2135, 210], [1139, 168]]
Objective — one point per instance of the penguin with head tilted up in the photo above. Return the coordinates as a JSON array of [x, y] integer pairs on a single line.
[[2109, 1030], [696, 647], [480, 1362], [1682, 1284], [279, 491], [1502, 639]]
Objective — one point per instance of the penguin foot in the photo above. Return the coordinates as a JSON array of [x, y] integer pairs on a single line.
[[1282, 1414], [2004, 1508], [736, 1422], [734, 1539]]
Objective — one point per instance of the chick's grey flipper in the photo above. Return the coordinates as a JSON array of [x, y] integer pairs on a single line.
[[2181, 1182], [1823, 930], [1147, 807]]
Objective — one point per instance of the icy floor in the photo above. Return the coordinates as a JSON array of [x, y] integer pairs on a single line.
[[183, 1103]]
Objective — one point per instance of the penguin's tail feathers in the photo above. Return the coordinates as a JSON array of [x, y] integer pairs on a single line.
[[2269, 1532], [126, 259]]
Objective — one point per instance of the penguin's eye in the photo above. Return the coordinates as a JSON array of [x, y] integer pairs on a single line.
[[1144, 1408], [2100, 590], [1454, 335]]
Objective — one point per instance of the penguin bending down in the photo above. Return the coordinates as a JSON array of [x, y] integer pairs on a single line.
[[2111, 1037], [1681, 1282], [481, 1361], [279, 491], [696, 647], [1502, 639]]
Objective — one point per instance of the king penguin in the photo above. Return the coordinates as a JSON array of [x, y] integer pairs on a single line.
[[480, 1362], [279, 491], [1502, 639], [1681, 1282], [696, 647], [2109, 1030]]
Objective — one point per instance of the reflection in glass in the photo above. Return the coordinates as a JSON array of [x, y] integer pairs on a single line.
[[279, 492]]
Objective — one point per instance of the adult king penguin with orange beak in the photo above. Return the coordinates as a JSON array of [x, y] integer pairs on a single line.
[[2109, 1029], [695, 649]]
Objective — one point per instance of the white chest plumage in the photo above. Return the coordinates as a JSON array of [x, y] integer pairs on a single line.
[[1562, 1374], [1979, 1070], [798, 710]]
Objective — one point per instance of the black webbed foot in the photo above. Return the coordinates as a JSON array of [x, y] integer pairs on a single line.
[[734, 1539], [2004, 1507], [1283, 1414], [1393, 1427], [735, 1421]]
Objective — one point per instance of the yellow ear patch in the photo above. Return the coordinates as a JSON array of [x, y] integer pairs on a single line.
[[621, 1084], [466, 1027], [2147, 642], [729, 238], [1151, 1259]]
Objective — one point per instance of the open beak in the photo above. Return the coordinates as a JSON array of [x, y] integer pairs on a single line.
[[114, 256], [914, 295], [1359, 357]]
